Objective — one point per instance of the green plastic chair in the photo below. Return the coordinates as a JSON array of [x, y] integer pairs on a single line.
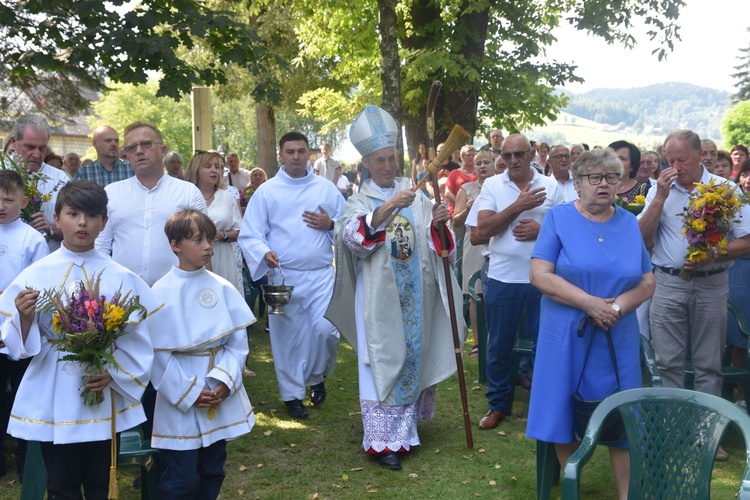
[[673, 434], [136, 451]]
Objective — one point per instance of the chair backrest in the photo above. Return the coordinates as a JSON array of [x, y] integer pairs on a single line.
[[673, 435]]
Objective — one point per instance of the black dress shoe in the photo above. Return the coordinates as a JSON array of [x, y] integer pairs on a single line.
[[390, 460], [317, 393], [296, 409]]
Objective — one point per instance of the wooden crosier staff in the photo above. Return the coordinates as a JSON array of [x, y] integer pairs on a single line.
[[456, 139], [444, 254]]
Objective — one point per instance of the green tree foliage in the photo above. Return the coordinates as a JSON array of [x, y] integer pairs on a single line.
[[51, 48], [487, 54], [125, 103], [664, 107], [743, 76], [735, 127]]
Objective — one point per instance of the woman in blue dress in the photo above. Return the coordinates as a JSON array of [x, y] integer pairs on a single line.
[[589, 259]]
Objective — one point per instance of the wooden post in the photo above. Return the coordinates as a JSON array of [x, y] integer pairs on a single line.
[[202, 131]]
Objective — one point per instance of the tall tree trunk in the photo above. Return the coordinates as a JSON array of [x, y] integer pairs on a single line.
[[390, 69], [423, 14], [460, 101], [265, 122]]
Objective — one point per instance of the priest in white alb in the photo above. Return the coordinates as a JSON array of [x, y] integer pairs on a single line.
[[390, 300], [287, 232]]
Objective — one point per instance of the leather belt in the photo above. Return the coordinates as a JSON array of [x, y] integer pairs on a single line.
[[697, 274]]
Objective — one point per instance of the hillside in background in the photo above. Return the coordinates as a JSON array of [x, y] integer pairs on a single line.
[[641, 115]]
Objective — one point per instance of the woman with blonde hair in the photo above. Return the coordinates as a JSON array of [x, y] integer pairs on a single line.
[[205, 171]]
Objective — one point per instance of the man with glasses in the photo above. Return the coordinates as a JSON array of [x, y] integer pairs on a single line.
[[709, 153], [559, 162], [108, 167], [29, 140], [511, 207], [139, 207]]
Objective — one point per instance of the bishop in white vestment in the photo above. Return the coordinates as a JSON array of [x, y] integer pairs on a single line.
[[390, 299]]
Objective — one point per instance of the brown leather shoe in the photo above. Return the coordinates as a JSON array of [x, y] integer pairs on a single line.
[[491, 419], [524, 382]]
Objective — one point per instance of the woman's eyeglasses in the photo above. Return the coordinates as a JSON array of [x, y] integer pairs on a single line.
[[596, 179]]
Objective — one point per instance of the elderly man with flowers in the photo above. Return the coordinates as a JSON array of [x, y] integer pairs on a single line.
[[691, 279]]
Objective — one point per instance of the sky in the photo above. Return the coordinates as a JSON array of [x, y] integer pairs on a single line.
[[712, 31]]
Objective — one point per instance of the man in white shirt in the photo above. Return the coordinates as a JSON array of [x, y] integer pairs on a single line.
[[287, 232], [326, 166], [687, 311], [71, 164], [559, 162], [30, 141], [237, 177], [511, 207], [139, 207]]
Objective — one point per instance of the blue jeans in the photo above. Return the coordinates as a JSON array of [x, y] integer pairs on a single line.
[[193, 474], [505, 302]]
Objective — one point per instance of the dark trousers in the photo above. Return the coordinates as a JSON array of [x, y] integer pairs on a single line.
[[505, 303], [149, 405], [70, 466], [11, 373], [193, 474]]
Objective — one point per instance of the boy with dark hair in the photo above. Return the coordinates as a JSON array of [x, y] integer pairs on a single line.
[[201, 402], [20, 246], [75, 438]]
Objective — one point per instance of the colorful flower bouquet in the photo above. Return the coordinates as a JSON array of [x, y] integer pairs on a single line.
[[707, 220], [31, 181], [246, 195], [88, 325], [635, 207]]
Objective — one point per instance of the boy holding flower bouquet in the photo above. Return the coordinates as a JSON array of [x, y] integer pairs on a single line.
[[20, 246], [201, 402], [87, 297]]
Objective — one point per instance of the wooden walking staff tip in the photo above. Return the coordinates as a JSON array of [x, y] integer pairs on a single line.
[[457, 138], [448, 271]]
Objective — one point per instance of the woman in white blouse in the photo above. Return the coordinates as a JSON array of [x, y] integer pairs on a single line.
[[205, 171]]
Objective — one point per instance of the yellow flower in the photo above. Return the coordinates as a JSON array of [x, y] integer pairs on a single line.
[[699, 225], [113, 316], [56, 323], [697, 256], [640, 200]]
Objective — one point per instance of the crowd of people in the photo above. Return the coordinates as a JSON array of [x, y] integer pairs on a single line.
[[546, 224]]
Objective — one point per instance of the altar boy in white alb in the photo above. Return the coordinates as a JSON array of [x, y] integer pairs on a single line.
[[201, 402], [288, 228], [75, 438]]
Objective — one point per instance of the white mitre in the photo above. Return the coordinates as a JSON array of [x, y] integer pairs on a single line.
[[373, 129]]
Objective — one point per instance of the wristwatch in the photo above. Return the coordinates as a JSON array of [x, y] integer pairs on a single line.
[[225, 237], [616, 307]]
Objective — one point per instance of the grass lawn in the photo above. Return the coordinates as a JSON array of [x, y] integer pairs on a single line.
[[321, 457]]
